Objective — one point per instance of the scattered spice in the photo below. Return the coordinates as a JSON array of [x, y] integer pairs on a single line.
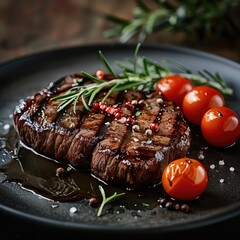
[[185, 207], [141, 103], [173, 205], [148, 132], [159, 100], [138, 113], [134, 102], [154, 126], [73, 210], [100, 74], [212, 166], [93, 202], [135, 128], [60, 171], [221, 180], [129, 105], [221, 162]]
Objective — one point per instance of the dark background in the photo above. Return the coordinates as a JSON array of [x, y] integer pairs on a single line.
[[28, 26]]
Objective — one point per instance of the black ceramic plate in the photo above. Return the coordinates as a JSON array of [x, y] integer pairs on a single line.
[[24, 76]]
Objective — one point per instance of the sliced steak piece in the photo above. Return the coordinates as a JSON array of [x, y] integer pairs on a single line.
[[136, 155], [131, 149]]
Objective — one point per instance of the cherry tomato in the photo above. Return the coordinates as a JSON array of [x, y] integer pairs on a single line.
[[184, 179], [199, 100], [174, 88], [220, 126]]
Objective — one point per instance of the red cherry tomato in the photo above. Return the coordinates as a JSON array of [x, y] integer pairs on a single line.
[[199, 100], [185, 179], [220, 126], [174, 88]]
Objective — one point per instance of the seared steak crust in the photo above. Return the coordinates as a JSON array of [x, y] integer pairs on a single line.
[[136, 155], [132, 153]]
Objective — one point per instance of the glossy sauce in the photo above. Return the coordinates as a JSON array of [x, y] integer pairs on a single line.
[[40, 174]]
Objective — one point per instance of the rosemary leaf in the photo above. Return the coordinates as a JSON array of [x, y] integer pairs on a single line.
[[136, 57], [146, 66], [114, 88], [93, 95], [201, 19], [90, 76], [137, 73], [84, 103], [105, 61], [64, 104], [177, 65], [152, 19], [106, 200]]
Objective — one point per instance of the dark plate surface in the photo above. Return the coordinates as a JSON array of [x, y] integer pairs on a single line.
[[22, 77]]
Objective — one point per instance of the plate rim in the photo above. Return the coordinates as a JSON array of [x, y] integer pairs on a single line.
[[53, 51], [218, 217]]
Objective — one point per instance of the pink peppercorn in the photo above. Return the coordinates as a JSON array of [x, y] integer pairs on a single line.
[[153, 126]]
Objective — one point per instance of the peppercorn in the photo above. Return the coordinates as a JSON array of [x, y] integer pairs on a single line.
[[60, 171], [95, 106], [159, 101], [129, 105], [173, 205], [185, 207], [93, 202], [141, 103], [148, 132], [169, 205], [162, 201], [100, 74], [135, 128], [134, 102], [129, 120], [154, 126]]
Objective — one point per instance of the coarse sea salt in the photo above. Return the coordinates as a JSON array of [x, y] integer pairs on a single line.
[[73, 210], [221, 162], [212, 166], [221, 180], [232, 169]]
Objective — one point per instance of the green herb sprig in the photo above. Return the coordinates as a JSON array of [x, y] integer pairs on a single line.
[[196, 18], [138, 73], [106, 200]]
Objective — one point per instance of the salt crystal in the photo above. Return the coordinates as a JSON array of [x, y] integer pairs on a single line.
[[6, 126], [221, 180], [201, 155], [122, 120], [232, 169], [54, 205], [72, 209], [212, 166], [135, 139], [221, 162], [107, 124]]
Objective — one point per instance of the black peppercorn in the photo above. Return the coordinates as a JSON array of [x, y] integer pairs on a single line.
[[60, 171], [185, 207], [93, 202]]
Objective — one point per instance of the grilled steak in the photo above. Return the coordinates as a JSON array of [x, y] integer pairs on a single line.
[[128, 139]]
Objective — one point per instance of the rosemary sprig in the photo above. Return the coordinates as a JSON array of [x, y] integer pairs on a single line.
[[196, 18], [106, 200], [138, 73]]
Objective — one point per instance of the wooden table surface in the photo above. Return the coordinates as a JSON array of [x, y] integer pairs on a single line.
[[28, 26]]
